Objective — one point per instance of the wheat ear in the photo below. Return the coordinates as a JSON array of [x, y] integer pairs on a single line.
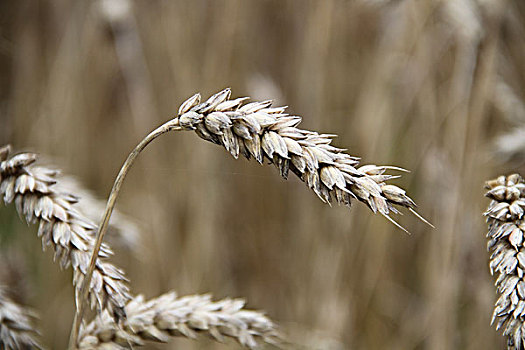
[[507, 259], [16, 330], [263, 132], [39, 200], [160, 318]]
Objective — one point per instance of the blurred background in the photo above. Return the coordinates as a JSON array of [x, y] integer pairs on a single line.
[[436, 87]]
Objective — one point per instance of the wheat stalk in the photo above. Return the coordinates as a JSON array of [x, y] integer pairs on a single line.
[[507, 259], [39, 199], [16, 330], [160, 318], [261, 131]]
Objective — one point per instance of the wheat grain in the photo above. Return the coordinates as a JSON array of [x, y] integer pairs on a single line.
[[507, 259], [263, 132], [160, 318], [39, 200], [16, 329]]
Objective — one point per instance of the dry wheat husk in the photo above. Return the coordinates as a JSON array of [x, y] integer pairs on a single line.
[[506, 244], [258, 130], [40, 200], [161, 318], [16, 329]]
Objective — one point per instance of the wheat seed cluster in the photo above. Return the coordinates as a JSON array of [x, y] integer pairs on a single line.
[[160, 318], [506, 244], [258, 130], [39, 199]]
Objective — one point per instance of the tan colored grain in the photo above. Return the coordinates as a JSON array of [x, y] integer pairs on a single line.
[[264, 132], [39, 200], [507, 259], [167, 316]]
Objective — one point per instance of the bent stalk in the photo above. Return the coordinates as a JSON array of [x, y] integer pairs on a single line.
[[115, 191]]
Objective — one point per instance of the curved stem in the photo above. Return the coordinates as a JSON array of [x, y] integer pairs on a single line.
[[102, 228]]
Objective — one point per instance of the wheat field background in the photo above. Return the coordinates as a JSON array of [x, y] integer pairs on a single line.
[[436, 87]]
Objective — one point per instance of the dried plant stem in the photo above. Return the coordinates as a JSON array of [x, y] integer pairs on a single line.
[[102, 228]]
